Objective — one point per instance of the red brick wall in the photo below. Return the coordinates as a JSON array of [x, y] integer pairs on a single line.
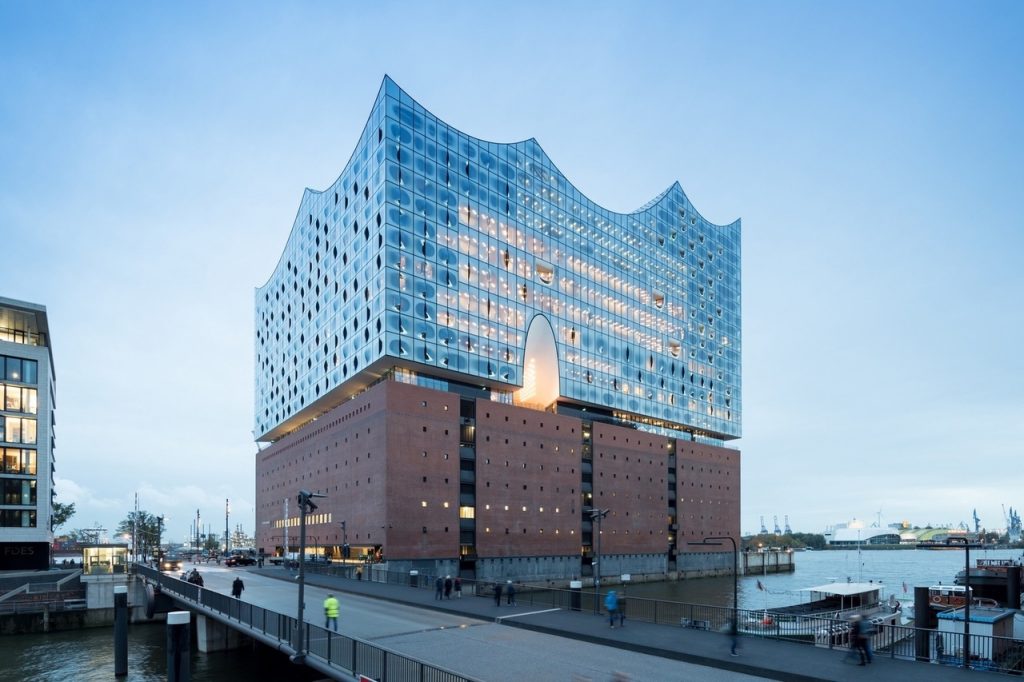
[[380, 456], [340, 455], [527, 458], [631, 481], [708, 490], [423, 467]]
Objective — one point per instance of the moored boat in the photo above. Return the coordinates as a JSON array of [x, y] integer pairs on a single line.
[[828, 610]]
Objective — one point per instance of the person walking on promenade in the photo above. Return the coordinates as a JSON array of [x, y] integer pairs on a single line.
[[237, 587], [331, 612], [859, 635], [458, 587], [611, 604], [510, 590], [497, 594], [438, 588], [447, 587]]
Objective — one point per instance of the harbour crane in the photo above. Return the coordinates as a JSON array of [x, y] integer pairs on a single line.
[[764, 531], [778, 531], [1013, 527], [787, 528], [977, 522]]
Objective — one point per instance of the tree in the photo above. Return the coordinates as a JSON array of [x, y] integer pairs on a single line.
[[61, 514], [145, 528]]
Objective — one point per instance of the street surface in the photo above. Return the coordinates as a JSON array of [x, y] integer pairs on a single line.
[[474, 647]]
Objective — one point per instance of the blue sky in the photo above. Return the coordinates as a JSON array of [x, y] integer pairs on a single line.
[[152, 159]]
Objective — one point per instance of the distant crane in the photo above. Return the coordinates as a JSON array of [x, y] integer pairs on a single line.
[[977, 522], [788, 530], [764, 531], [778, 531], [1013, 527]]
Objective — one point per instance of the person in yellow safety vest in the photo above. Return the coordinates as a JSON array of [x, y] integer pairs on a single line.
[[331, 611]]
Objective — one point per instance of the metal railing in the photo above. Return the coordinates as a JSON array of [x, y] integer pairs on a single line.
[[332, 651], [998, 654]]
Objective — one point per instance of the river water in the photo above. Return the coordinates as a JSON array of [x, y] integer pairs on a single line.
[[898, 570], [88, 655]]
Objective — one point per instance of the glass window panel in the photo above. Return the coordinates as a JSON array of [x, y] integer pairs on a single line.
[[28, 431], [13, 430], [30, 400], [13, 372], [31, 371], [12, 401]]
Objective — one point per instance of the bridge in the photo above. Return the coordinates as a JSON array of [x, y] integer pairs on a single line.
[[396, 632]]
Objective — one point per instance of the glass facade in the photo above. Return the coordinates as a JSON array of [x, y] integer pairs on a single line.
[[26, 425], [434, 252]]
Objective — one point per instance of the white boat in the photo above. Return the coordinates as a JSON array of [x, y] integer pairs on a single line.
[[826, 613]]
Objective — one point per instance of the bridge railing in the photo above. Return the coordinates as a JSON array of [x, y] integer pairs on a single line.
[[1000, 654], [335, 652]]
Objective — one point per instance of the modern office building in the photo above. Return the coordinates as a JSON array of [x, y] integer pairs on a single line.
[[472, 360], [26, 436]]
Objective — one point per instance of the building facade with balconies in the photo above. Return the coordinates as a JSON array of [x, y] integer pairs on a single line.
[[27, 389]]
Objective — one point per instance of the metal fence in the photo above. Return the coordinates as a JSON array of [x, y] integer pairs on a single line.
[[998, 654], [339, 653]]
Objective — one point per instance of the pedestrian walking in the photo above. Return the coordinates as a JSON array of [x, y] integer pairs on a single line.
[[447, 587], [510, 590], [859, 635], [497, 594], [331, 612], [237, 587], [458, 587], [611, 605], [438, 588]]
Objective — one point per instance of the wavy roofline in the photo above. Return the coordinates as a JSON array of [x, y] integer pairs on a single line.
[[381, 92]]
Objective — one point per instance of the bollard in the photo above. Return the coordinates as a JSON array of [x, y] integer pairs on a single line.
[[575, 591], [120, 630], [179, 646]]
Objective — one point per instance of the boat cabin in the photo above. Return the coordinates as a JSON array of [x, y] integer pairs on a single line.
[[837, 599]]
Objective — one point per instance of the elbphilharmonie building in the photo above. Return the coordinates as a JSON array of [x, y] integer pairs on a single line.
[[471, 359]]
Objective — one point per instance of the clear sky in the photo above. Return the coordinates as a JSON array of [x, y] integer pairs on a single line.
[[152, 158]]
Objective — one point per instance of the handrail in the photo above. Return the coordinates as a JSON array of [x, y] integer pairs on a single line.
[[328, 652]]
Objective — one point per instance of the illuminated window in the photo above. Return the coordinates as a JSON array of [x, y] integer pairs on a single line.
[[467, 512]]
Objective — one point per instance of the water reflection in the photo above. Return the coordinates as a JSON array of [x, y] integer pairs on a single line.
[[893, 568], [88, 655]]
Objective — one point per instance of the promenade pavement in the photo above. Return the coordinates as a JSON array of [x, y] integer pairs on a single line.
[[771, 659]]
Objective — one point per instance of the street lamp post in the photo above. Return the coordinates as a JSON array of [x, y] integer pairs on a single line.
[[597, 515], [306, 506], [735, 578], [967, 593], [227, 511]]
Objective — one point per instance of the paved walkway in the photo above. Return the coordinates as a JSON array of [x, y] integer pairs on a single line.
[[772, 659]]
